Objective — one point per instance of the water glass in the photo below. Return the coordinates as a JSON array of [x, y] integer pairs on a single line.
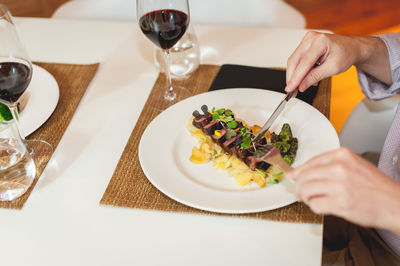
[[184, 55], [17, 168]]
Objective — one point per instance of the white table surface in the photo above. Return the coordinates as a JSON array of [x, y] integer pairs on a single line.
[[62, 223]]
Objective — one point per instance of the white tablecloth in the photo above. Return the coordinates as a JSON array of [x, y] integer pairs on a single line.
[[63, 223]]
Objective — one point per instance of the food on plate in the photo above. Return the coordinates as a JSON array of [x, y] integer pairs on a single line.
[[5, 113], [227, 142]]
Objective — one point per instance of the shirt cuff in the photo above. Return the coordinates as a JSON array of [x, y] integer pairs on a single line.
[[373, 88]]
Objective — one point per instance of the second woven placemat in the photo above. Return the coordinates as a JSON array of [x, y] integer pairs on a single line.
[[72, 82], [130, 188]]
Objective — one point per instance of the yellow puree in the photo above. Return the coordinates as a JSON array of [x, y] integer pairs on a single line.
[[208, 151]]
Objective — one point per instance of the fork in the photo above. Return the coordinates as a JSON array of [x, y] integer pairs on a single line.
[[271, 155]]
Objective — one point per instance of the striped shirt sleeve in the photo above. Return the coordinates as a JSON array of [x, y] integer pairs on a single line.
[[374, 89]]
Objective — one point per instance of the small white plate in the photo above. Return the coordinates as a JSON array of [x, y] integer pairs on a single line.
[[166, 146], [42, 97]]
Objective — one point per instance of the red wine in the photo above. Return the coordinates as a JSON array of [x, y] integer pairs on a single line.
[[14, 79], [164, 27]]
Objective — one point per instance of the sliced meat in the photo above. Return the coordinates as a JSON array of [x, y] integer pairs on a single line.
[[200, 121], [252, 161], [221, 137], [211, 127]]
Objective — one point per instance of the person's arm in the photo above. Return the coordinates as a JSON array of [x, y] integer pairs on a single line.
[[343, 184], [374, 59], [335, 54], [372, 87]]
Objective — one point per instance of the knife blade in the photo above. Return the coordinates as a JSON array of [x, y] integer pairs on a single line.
[[274, 115]]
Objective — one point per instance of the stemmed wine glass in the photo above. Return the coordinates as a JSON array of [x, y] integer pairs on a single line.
[[164, 22], [15, 75]]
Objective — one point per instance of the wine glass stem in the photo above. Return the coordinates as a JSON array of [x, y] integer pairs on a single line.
[[170, 95], [14, 112]]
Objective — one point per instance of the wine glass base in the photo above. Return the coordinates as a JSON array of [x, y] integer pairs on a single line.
[[17, 170], [180, 92], [40, 151]]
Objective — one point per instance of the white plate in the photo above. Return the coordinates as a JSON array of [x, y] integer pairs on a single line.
[[43, 94], [42, 97], [166, 146]]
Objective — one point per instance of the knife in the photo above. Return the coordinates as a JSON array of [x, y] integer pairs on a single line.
[[274, 115]]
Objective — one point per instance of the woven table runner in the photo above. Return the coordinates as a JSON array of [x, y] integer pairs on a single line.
[[130, 188], [72, 81]]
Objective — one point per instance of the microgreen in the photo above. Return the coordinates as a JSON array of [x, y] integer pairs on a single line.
[[230, 133], [246, 142], [232, 124]]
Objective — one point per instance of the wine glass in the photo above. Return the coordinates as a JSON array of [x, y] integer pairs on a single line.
[[164, 22], [15, 76]]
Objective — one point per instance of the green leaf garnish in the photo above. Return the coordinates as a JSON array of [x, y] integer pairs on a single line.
[[229, 118], [230, 133], [215, 116], [246, 137], [232, 124], [246, 142], [288, 159], [228, 112], [214, 152], [5, 113]]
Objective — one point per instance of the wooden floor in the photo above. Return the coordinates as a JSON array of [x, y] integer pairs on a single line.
[[356, 17], [353, 17]]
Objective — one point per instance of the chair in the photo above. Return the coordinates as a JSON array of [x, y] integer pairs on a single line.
[[366, 128], [270, 13]]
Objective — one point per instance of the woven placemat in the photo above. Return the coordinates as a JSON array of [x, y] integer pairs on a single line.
[[130, 188], [72, 81]]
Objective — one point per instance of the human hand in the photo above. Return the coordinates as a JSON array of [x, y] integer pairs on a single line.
[[321, 55], [343, 184]]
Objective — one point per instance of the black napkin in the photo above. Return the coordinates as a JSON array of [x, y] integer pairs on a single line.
[[238, 76]]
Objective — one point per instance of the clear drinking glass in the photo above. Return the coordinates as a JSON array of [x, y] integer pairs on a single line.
[[184, 56], [17, 168], [15, 76], [164, 22]]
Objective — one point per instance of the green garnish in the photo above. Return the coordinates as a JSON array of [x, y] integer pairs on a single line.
[[274, 178], [261, 173], [285, 143], [246, 137], [272, 181], [215, 116], [232, 124], [224, 115], [246, 142], [230, 133], [214, 152], [5, 113], [288, 159], [245, 132], [228, 112]]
